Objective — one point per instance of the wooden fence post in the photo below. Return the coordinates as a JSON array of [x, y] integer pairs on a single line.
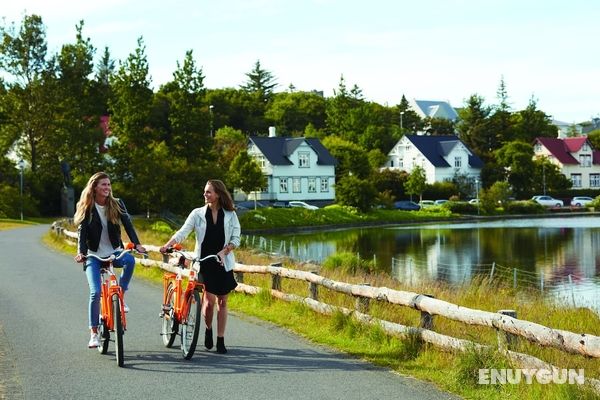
[[239, 277], [506, 340], [362, 303], [275, 278], [426, 318], [313, 288]]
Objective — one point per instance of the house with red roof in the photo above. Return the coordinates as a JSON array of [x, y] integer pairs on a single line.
[[574, 156]]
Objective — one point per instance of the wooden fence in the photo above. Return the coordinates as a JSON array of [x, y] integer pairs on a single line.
[[505, 322]]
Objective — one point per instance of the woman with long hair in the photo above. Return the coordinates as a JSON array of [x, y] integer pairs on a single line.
[[98, 218], [217, 230]]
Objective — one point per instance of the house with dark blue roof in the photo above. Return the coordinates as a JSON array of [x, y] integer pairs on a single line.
[[296, 168], [433, 109], [442, 157]]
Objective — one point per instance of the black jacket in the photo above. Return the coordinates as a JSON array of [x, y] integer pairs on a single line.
[[90, 230]]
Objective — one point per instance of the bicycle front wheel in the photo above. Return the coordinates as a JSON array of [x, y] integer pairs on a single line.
[[169, 326], [116, 302], [104, 334], [191, 328]]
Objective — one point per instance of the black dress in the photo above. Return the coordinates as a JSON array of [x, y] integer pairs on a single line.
[[216, 279]]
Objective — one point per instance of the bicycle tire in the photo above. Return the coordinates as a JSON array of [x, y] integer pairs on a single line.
[[116, 302], [104, 334], [191, 328], [169, 325]]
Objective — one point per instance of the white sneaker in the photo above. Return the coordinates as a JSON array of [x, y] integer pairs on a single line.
[[125, 307], [94, 341]]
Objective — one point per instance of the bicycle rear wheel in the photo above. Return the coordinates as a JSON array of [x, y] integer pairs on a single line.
[[169, 326], [116, 302], [191, 328]]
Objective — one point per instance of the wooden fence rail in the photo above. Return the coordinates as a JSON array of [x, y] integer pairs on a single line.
[[504, 321]]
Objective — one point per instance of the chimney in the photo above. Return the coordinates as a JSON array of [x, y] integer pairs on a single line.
[[272, 132]]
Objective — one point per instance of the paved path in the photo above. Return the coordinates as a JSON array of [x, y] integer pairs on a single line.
[[44, 355]]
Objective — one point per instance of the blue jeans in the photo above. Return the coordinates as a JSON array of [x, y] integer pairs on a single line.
[[92, 271]]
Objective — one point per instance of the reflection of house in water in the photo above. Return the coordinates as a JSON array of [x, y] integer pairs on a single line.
[[578, 257], [442, 262]]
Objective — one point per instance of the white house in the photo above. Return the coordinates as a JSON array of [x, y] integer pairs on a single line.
[[566, 129], [296, 168], [574, 156], [442, 157]]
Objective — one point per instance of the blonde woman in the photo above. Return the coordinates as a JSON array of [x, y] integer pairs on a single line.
[[217, 230], [98, 218]]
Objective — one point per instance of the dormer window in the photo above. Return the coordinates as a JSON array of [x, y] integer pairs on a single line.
[[303, 159], [457, 162]]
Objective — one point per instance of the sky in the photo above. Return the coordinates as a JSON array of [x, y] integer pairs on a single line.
[[428, 50]]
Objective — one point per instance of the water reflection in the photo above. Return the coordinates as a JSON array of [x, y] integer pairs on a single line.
[[545, 252]]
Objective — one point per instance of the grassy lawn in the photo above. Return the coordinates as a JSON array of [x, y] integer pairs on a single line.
[[453, 372]]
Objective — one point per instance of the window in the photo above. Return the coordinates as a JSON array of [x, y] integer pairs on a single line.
[[537, 148], [324, 185], [457, 162], [260, 160], [585, 160], [576, 179], [303, 159], [312, 185], [283, 185], [595, 180], [585, 147], [296, 185], [401, 162]]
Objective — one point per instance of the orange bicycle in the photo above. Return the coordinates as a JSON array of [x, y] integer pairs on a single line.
[[181, 309], [112, 312]]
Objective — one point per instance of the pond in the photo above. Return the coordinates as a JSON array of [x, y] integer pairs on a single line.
[[556, 255]]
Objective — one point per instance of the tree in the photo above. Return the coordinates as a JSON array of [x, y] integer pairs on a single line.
[[516, 158], [246, 175], [228, 144], [79, 136], [547, 177], [352, 158], [501, 121], [531, 123], [473, 126], [27, 103], [188, 115], [291, 113], [416, 182], [260, 82], [355, 192], [131, 106]]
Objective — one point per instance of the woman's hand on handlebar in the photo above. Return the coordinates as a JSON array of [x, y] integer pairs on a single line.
[[79, 258]]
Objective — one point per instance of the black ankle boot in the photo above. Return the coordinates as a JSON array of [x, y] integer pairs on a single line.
[[221, 345], [208, 339]]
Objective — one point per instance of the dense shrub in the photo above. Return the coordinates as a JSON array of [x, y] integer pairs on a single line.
[[523, 207]]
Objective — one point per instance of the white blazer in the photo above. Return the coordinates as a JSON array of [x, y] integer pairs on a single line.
[[197, 221]]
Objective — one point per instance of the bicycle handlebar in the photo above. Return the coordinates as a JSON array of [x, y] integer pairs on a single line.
[[179, 250], [129, 247], [110, 258]]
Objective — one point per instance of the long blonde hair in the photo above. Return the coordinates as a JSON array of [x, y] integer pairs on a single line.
[[87, 200], [225, 200]]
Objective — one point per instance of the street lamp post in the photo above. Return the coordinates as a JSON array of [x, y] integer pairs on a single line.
[[477, 193], [401, 115], [544, 177], [21, 165], [210, 109]]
